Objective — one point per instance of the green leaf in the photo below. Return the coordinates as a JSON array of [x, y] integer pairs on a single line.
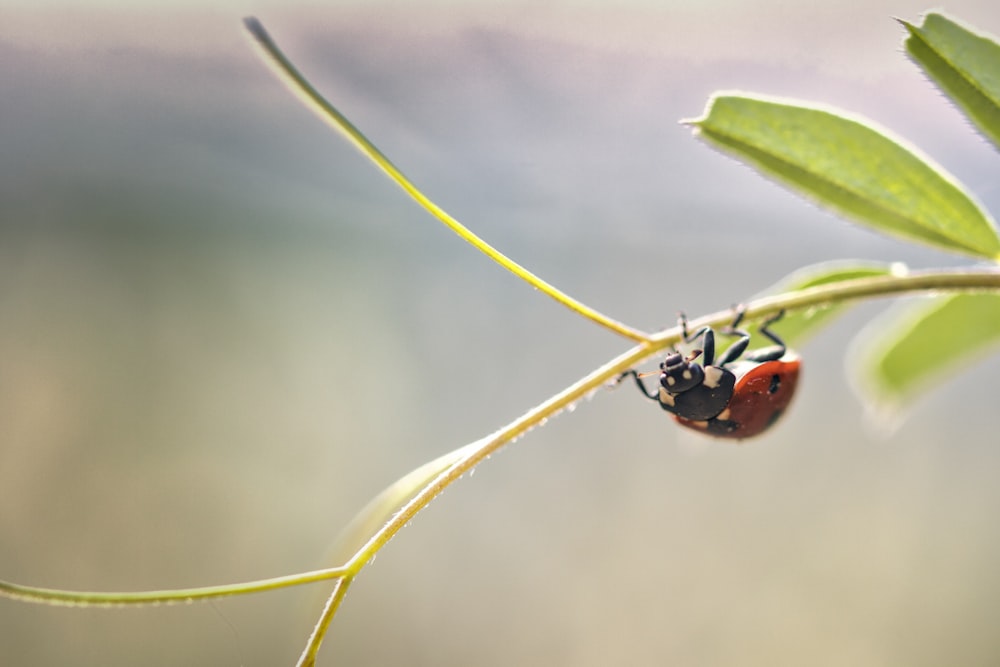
[[846, 164], [964, 64], [796, 327], [918, 343]]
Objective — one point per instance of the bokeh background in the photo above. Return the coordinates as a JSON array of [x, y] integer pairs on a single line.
[[222, 332]]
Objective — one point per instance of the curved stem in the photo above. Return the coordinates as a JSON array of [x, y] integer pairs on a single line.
[[965, 280], [313, 99], [56, 597], [848, 290], [308, 657]]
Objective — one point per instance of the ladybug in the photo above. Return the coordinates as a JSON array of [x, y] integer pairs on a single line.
[[728, 397]]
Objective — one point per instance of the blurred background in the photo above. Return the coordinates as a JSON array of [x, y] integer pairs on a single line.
[[222, 332]]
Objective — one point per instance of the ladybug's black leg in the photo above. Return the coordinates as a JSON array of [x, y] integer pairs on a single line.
[[708, 343], [708, 347], [734, 351], [653, 396], [739, 310], [776, 351], [770, 334]]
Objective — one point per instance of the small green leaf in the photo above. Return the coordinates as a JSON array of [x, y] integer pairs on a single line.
[[920, 342], [964, 64], [853, 168], [796, 327]]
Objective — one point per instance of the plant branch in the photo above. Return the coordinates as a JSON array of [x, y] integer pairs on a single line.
[[329, 113], [62, 598], [814, 297], [845, 291], [308, 657], [958, 280]]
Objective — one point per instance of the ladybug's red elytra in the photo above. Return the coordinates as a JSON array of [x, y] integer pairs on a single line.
[[728, 397]]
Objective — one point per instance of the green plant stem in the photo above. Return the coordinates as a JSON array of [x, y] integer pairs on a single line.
[[308, 658], [62, 598], [329, 113], [814, 297], [962, 280], [849, 290]]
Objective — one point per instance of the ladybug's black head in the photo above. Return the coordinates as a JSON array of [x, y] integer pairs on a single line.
[[679, 374]]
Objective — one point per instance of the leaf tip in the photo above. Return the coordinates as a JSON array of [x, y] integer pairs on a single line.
[[693, 123], [698, 124]]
